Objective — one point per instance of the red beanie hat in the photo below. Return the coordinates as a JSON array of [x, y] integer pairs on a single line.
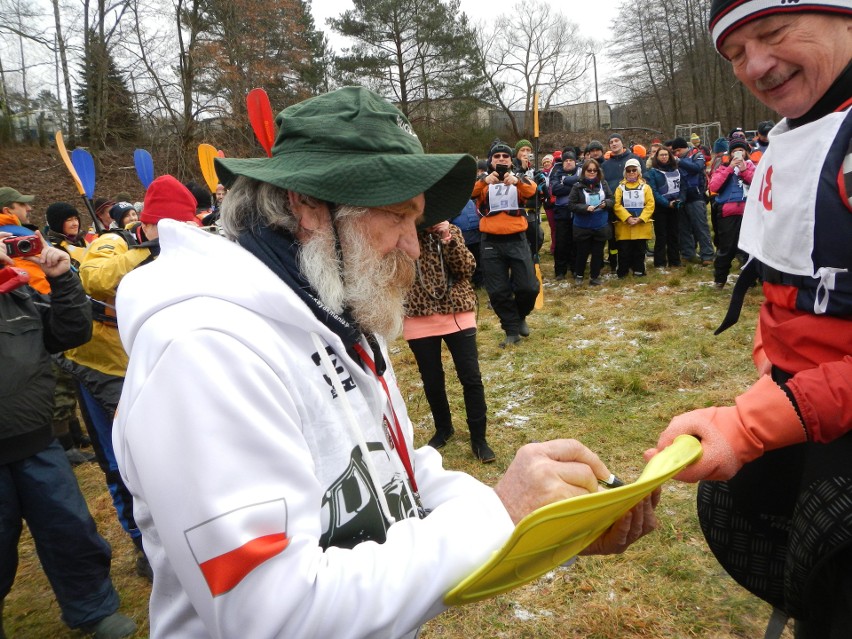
[[167, 198]]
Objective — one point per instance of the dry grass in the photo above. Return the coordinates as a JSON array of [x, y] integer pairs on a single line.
[[608, 366]]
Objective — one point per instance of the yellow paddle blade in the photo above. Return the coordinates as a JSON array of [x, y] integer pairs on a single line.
[[206, 155], [63, 152], [553, 534], [539, 300]]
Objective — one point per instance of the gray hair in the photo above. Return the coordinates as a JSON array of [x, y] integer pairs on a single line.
[[252, 203]]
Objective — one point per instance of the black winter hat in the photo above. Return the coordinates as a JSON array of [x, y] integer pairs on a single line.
[[568, 154], [677, 143], [739, 143], [482, 165], [763, 128], [203, 198], [728, 15], [594, 144], [57, 213], [118, 211], [500, 147]]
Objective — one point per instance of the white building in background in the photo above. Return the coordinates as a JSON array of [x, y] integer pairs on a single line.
[[581, 116]]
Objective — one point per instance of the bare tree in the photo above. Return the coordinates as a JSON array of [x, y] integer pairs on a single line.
[[531, 49], [670, 72], [66, 76], [167, 74]]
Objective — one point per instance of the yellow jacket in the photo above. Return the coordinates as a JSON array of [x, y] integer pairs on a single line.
[[107, 260], [643, 230]]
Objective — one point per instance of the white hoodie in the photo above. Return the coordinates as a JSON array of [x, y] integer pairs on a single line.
[[241, 458]]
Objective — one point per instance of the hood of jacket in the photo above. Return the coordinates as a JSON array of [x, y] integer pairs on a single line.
[[194, 263]]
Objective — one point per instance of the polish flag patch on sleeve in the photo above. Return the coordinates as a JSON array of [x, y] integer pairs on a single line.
[[228, 547]]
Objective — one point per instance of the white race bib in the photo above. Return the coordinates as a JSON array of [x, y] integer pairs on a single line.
[[779, 217], [633, 198], [672, 182], [502, 197]]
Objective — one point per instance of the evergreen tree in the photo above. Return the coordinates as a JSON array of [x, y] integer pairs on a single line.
[[104, 103], [258, 43], [418, 53]]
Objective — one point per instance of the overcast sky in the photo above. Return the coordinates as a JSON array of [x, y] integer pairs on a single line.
[[594, 19]]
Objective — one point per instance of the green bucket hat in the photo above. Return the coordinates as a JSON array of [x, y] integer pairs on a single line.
[[351, 146]]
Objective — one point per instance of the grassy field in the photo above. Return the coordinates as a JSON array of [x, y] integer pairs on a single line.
[[608, 366]]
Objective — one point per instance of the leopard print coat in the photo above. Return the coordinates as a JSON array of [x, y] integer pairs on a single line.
[[442, 285]]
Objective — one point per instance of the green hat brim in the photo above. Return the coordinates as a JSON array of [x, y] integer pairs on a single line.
[[365, 179]]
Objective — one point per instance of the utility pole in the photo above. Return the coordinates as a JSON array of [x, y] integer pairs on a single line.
[[597, 100]]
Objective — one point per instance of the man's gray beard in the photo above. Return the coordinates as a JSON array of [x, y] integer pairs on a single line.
[[371, 286]]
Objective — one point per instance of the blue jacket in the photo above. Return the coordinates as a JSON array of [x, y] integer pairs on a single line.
[[561, 183], [691, 168], [660, 186], [468, 222], [579, 206], [613, 168]]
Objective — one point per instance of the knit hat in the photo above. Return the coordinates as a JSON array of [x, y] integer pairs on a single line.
[[118, 211], [657, 141], [167, 198], [122, 196], [547, 157], [632, 162], [728, 15], [499, 147], [695, 138], [763, 128], [615, 135], [557, 156], [677, 143], [568, 154], [639, 150], [102, 205], [482, 165], [57, 213], [351, 146], [720, 146], [594, 144], [8, 196], [739, 143], [520, 144]]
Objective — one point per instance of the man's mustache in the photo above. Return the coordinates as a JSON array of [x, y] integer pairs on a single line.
[[771, 80]]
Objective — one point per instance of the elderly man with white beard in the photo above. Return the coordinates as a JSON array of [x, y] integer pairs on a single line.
[[261, 430]]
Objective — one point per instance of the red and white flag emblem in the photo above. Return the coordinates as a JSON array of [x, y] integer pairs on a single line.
[[230, 546]]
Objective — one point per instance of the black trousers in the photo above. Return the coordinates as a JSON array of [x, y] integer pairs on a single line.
[[563, 253], [589, 242], [666, 239], [509, 278], [462, 345], [781, 529], [728, 234], [631, 257]]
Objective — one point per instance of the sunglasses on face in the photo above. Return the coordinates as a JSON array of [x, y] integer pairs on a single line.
[[631, 170], [501, 156], [591, 170]]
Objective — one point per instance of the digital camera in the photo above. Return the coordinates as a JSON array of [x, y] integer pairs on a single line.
[[24, 246], [501, 171]]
